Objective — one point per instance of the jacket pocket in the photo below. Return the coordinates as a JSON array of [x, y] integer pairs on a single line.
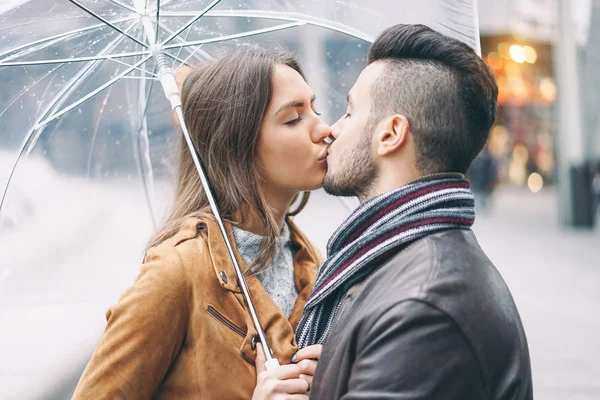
[[220, 317]]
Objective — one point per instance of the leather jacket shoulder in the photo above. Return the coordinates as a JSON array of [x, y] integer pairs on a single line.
[[436, 321]]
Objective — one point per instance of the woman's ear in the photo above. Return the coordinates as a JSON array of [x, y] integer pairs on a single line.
[[393, 134]]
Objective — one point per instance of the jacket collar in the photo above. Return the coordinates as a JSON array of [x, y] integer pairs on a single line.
[[306, 262], [280, 332]]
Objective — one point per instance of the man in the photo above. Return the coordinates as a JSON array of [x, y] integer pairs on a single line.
[[407, 304]]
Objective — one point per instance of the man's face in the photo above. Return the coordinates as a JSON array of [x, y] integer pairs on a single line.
[[351, 168]]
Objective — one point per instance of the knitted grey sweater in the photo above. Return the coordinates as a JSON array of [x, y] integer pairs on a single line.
[[278, 279]]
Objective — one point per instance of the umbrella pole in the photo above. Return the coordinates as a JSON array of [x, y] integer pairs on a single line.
[[167, 80]]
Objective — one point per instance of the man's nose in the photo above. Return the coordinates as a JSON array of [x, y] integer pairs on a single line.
[[336, 128]]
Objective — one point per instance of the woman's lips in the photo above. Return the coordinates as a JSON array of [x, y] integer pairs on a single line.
[[324, 155]]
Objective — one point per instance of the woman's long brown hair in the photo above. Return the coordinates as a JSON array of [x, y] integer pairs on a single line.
[[224, 103]]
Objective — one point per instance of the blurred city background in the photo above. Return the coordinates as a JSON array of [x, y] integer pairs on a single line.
[[76, 220]]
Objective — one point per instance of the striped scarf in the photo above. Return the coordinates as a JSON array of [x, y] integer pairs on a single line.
[[374, 232]]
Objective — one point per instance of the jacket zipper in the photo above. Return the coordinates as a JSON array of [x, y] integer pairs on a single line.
[[227, 323]]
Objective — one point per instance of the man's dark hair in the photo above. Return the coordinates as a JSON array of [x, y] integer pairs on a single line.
[[444, 89]]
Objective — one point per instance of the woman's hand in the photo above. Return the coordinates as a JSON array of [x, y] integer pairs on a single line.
[[307, 360], [281, 383]]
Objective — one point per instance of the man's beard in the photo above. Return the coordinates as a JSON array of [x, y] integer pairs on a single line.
[[356, 172]]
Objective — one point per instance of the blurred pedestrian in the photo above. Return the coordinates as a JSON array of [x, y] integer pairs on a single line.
[[483, 175], [596, 186]]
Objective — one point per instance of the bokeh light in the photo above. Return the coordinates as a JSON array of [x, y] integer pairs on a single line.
[[548, 90], [517, 53], [530, 54], [535, 182], [504, 50], [495, 60]]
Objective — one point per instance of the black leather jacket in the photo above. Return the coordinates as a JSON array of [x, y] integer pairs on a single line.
[[436, 321]]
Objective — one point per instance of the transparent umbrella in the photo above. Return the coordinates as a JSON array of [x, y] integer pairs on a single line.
[[86, 133]]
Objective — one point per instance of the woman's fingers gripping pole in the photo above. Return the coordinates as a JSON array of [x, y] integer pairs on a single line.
[[278, 383]]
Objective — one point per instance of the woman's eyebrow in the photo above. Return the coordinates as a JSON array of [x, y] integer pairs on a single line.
[[290, 104], [294, 103]]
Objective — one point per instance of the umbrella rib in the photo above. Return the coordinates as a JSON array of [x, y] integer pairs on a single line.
[[93, 14], [320, 22], [95, 134], [31, 137], [125, 6], [165, 2], [191, 21], [180, 40], [157, 19], [153, 75], [75, 59], [148, 99], [93, 93], [141, 142], [276, 15], [147, 78], [185, 61], [37, 22], [25, 90], [143, 155], [55, 37], [238, 35], [175, 59]]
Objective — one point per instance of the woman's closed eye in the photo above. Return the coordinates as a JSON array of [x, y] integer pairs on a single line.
[[293, 121], [296, 120]]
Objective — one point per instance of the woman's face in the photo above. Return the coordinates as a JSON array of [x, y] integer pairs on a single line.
[[291, 149]]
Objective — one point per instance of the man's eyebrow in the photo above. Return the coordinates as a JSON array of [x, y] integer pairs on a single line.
[[294, 103]]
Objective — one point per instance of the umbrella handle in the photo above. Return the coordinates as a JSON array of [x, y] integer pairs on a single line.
[[271, 364]]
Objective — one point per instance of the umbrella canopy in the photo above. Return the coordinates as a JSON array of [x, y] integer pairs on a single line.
[[86, 136]]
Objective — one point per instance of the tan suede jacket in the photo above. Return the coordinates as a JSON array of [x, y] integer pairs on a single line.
[[182, 331]]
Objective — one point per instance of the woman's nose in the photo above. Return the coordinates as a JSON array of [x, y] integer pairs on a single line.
[[321, 132]]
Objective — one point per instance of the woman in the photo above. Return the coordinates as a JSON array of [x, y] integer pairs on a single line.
[[183, 330]]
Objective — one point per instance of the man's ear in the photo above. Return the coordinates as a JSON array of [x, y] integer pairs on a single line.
[[393, 134]]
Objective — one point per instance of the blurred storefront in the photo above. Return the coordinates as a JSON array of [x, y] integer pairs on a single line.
[[517, 42], [523, 138]]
